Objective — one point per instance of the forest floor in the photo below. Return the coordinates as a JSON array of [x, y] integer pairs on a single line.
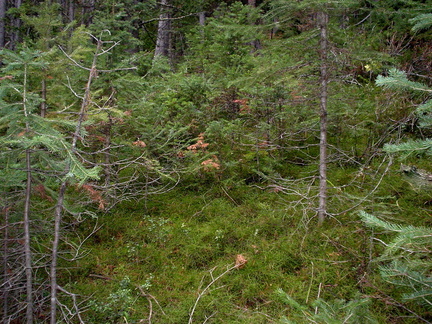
[[172, 258]]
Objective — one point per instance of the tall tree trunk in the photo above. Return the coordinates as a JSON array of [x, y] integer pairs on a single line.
[[55, 246], [27, 249], [67, 10], [255, 43], [27, 241], [2, 23], [322, 208], [87, 10], [16, 24], [71, 10], [107, 150], [58, 213], [164, 31], [6, 285]]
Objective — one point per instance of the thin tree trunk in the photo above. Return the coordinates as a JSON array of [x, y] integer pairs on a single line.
[[55, 246], [17, 24], [43, 106], [202, 18], [2, 23], [107, 150], [322, 209], [256, 43], [164, 31], [58, 213], [27, 250], [71, 11], [6, 285], [27, 241]]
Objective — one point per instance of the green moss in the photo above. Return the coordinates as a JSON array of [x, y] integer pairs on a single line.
[[177, 238]]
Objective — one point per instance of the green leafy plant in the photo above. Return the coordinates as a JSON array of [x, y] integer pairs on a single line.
[[118, 305]]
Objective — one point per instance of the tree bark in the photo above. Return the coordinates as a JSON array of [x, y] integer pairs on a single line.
[[107, 150], [164, 31], [2, 23], [322, 208], [71, 11], [54, 260], [17, 24], [6, 285], [255, 43], [43, 106], [202, 18], [27, 241], [88, 7]]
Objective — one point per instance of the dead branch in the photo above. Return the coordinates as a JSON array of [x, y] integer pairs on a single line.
[[204, 291], [75, 304]]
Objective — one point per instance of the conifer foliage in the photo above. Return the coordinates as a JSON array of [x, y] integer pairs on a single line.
[[398, 80], [406, 259], [330, 312], [262, 114], [35, 152]]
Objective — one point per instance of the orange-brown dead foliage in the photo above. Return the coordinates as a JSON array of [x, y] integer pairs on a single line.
[[95, 195], [240, 261]]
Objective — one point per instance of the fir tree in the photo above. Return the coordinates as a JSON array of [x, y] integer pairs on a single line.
[[33, 150]]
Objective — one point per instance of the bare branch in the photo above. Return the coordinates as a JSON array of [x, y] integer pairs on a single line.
[[204, 291]]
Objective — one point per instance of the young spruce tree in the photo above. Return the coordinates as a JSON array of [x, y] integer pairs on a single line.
[[34, 150]]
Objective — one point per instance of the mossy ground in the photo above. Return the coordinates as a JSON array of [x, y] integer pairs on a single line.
[[174, 244]]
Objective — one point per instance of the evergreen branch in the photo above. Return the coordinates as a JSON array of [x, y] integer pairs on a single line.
[[423, 295], [398, 80], [400, 273], [410, 147], [421, 22], [373, 221]]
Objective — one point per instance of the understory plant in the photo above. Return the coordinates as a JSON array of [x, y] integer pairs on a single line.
[[328, 312], [406, 260]]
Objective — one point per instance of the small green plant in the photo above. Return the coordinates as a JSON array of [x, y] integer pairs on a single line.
[[145, 287], [118, 306], [157, 229]]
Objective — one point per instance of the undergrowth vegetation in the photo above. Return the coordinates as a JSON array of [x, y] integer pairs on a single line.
[[186, 189], [152, 259]]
